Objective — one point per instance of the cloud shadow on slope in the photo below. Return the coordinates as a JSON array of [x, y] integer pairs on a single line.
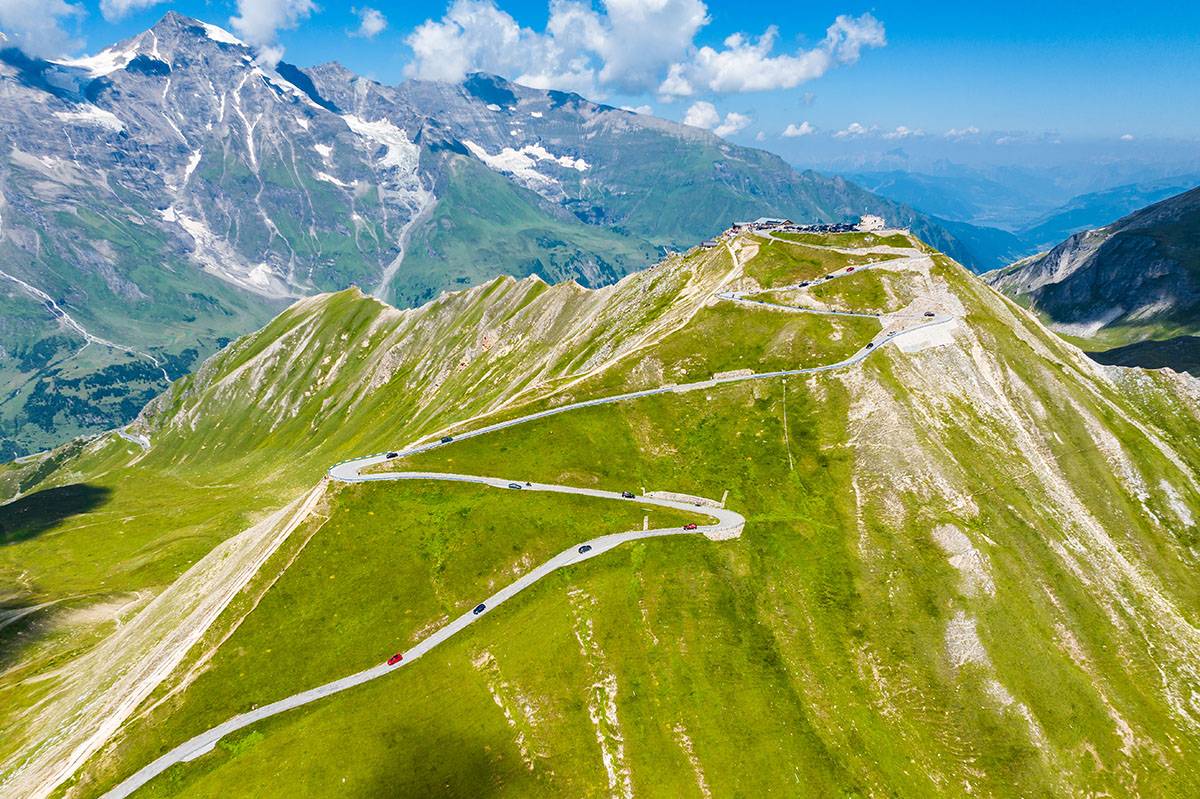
[[40, 512]]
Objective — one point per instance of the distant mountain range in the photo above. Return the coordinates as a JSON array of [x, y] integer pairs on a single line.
[[1132, 287], [1000, 220], [1099, 208], [962, 194], [172, 192]]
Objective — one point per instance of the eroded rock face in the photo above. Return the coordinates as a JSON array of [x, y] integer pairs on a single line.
[[1141, 269]]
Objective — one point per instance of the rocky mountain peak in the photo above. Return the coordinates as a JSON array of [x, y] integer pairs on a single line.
[[173, 24]]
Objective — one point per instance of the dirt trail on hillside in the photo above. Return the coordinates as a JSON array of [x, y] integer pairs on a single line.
[[97, 692]]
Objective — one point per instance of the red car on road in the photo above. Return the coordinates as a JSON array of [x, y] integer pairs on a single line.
[[394, 659], [849, 268], [690, 526]]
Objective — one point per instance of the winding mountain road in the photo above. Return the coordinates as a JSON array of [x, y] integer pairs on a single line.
[[726, 524]]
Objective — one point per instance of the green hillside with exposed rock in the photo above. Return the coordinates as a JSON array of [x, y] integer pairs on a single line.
[[968, 562]]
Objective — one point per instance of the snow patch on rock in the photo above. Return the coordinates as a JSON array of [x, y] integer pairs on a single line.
[[216, 256], [401, 152], [325, 176], [522, 164], [218, 34], [193, 162], [102, 63], [91, 115]]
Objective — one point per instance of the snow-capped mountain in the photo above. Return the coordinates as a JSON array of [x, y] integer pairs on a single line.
[[173, 191]]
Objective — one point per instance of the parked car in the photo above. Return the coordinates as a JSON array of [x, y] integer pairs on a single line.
[[690, 526], [929, 314], [447, 439], [480, 608], [391, 455], [394, 659], [585, 548], [627, 494], [514, 485]]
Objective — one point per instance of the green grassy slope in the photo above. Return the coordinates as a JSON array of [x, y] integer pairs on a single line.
[[484, 225], [383, 565], [968, 566], [848, 240], [258, 425], [783, 264], [886, 667]]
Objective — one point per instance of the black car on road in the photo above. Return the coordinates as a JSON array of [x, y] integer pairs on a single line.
[[480, 608]]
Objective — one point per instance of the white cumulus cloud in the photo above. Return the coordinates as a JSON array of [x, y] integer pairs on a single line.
[[793, 130], [852, 131], [744, 64], [117, 9], [704, 114], [626, 46], [732, 124], [903, 132], [962, 133], [259, 22], [371, 22], [1127, 137], [37, 26]]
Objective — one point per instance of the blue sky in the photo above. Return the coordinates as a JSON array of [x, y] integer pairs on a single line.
[[905, 72]]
